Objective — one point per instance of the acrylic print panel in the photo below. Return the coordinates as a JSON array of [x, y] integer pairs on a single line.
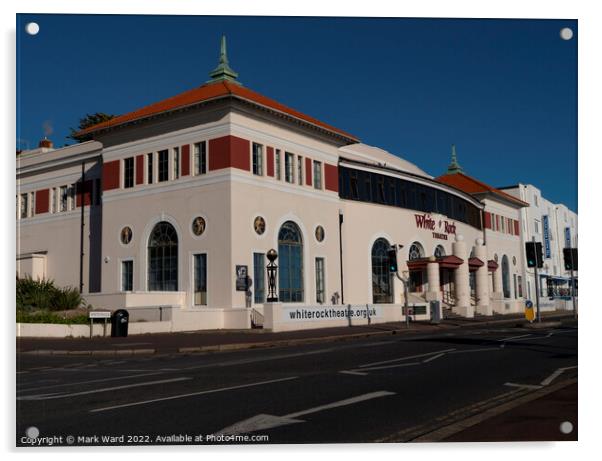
[[429, 153]]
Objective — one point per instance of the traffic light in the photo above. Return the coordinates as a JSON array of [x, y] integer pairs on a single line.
[[539, 254], [570, 258], [392, 256], [530, 251], [534, 253]]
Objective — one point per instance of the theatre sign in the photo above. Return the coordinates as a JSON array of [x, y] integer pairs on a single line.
[[440, 228]]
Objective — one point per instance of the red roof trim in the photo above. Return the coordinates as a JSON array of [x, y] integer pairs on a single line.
[[206, 93], [473, 186]]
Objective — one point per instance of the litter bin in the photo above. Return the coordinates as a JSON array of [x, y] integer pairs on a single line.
[[119, 323]]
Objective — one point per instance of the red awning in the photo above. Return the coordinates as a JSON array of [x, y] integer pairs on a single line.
[[492, 265], [474, 264], [447, 262]]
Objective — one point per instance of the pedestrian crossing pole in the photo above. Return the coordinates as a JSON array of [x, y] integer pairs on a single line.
[[536, 281]]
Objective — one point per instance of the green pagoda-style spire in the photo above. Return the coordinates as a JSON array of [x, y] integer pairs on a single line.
[[223, 71], [454, 166]]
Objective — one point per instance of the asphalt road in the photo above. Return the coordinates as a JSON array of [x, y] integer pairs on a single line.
[[390, 389]]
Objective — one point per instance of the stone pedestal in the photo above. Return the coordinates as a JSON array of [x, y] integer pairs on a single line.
[[461, 280]]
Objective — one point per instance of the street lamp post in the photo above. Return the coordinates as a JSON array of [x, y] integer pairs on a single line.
[[272, 268]]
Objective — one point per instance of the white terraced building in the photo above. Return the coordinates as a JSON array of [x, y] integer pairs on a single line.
[[166, 211]]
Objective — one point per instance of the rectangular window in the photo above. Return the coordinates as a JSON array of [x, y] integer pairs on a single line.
[[200, 279], [53, 200], [259, 277], [503, 224], [353, 188], [64, 198], [320, 290], [515, 286], [278, 165], [72, 197], [128, 172], [288, 167], [200, 158], [317, 175], [300, 170], [163, 162], [127, 275], [257, 159], [24, 206], [520, 286], [149, 168], [32, 204], [176, 162], [536, 223]]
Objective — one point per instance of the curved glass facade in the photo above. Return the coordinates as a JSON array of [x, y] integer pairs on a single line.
[[367, 186]]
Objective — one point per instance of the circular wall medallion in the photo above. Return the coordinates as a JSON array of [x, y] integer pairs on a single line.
[[259, 225], [198, 225], [320, 234], [126, 235], [514, 260]]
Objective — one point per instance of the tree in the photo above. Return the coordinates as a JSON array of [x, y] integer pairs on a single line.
[[86, 122]]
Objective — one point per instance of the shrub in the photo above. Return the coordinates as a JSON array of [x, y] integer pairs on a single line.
[[49, 317], [44, 295]]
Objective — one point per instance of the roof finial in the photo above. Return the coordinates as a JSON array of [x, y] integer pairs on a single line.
[[223, 71], [454, 167]]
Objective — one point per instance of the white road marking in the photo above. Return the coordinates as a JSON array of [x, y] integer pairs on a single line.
[[405, 358], [523, 386], [351, 372], [384, 367], [463, 351], [257, 359], [193, 394], [96, 391], [555, 375], [86, 382], [262, 422], [514, 337], [435, 357]]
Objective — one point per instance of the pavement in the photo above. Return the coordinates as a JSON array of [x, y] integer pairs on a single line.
[[225, 340], [424, 386]]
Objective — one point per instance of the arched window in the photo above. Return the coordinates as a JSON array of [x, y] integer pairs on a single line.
[[163, 258], [416, 251], [290, 255], [506, 276], [439, 251], [382, 289]]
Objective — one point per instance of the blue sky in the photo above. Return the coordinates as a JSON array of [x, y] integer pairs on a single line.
[[503, 91]]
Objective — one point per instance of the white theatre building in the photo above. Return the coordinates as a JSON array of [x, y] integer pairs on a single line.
[[165, 211]]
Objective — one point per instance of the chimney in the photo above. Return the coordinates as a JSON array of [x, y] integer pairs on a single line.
[[46, 143]]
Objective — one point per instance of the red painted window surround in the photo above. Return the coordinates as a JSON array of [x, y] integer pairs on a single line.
[[331, 177], [487, 220], [270, 161], [229, 152], [185, 159], [308, 171], [516, 227], [139, 169], [85, 191], [110, 175], [42, 201]]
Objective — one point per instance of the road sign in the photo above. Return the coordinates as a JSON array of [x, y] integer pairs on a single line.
[[99, 314]]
